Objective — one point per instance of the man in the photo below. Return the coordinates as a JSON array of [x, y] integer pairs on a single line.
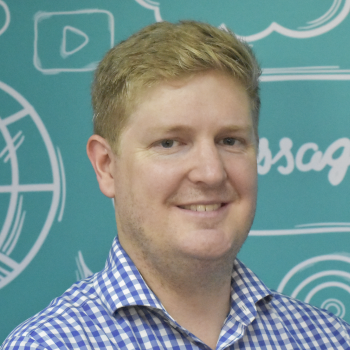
[[175, 144]]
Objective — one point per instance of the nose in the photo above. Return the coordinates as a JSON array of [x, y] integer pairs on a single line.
[[207, 166]]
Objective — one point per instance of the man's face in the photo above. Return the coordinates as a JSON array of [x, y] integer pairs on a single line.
[[185, 178]]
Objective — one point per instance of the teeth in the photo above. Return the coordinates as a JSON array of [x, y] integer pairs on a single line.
[[202, 207]]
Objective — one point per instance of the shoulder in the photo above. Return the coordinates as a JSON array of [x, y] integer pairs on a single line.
[[305, 320], [61, 322], [288, 305]]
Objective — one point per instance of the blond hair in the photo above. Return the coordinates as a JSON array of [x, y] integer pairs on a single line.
[[166, 51]]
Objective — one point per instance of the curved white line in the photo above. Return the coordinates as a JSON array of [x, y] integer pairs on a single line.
[[7, 15], [326, 285], [324, 18], [329, 13], [335, 303], [15, 179], [152, 5], [15, 226], [63, 181], [275, 27], [83, 269], [319, 275], [307, 262], [18, 233], [79, 274]]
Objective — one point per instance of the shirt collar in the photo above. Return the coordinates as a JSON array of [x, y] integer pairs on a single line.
[[246, 291], [120, 284]]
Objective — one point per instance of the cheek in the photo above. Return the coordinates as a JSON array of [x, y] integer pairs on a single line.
[[243, 176], [160, 179]]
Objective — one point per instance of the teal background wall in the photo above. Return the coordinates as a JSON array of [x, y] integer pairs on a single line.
[[56, 227]]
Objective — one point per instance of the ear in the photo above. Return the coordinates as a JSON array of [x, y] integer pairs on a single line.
[[101, 158]]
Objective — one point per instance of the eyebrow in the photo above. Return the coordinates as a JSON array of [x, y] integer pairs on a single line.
[[185, 128]]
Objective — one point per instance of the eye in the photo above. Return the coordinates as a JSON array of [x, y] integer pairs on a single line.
[[167, 143], [229, 141]]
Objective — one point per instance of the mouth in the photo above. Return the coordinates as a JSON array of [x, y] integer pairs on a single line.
[[202, 207]]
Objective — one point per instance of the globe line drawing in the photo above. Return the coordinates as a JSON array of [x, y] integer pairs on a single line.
[[16, 230], [13, 225]]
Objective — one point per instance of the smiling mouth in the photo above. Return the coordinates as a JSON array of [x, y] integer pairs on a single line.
[[202, 207]]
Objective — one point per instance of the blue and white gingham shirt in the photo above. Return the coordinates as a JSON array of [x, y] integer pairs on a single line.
[[115, 309]]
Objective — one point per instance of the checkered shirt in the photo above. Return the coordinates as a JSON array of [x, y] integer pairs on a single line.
[[115, 309]]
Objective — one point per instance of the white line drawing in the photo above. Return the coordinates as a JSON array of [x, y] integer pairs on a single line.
[[63, 184], [305, 73], [63, 50], [336, 174], [27, 188], [152, 5], [336, 14], [12, 239], [295, 159], [326, 224], [326, 279], [328, 21], [40, 16], [331, 19], [5, 152], [305, 229], [331, 13], [336, 304], [12, 227], [7, 15], [83, 271]]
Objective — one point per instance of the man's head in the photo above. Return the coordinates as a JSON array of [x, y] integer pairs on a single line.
[[177, 143], [164, 52]]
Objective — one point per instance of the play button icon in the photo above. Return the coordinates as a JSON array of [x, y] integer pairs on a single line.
[[73, 40]]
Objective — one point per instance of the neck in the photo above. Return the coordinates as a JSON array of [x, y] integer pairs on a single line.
[[195, 292]]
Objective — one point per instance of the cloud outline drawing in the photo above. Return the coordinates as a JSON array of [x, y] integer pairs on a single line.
[[338, 11]]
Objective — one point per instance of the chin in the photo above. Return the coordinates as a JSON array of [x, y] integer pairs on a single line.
[[213, 245], [209, 251]]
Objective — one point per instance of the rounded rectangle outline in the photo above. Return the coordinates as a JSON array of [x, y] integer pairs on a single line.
[[39, 16]]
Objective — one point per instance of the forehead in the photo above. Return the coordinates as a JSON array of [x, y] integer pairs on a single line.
[[210, 94]]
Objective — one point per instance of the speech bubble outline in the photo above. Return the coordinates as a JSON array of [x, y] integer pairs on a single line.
[[291, 73], [319, 26]]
